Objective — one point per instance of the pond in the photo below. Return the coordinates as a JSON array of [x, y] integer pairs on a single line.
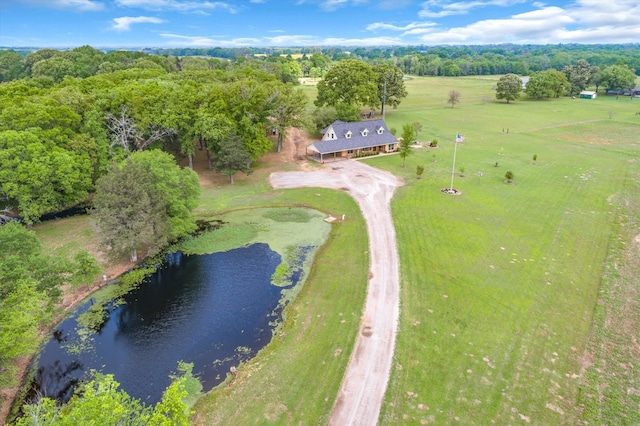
[[213, 310]]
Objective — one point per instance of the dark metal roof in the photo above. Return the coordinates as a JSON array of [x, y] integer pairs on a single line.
[[356, 141]]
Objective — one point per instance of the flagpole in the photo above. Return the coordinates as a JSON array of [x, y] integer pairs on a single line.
[[453, 168]]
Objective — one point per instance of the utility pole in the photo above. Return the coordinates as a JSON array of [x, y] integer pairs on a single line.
[[384, 95]]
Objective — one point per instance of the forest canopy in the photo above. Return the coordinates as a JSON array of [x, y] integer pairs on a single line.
[[62, 126]]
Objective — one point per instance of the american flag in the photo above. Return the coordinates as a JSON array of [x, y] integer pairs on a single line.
[[459, 138]]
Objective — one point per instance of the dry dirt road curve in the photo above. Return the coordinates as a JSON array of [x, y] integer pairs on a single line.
[[364, 384]]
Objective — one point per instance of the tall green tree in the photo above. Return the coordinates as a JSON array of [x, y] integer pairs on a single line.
[[557, 81], [509, 87], [249, 104], [129, 211], [408, 138], [180, 189], [617, 77], [180, 114], [546, 84], [56, 67], [289, 110], [232, 157], [579, 75], [538, 86], [11, 65], [391, 89], [350, 82], [144, 202]]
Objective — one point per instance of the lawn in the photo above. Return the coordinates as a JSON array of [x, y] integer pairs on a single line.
[[499, 284]]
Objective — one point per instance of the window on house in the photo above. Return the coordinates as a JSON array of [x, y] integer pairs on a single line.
[[380, 131], [365, 149], [391, 146], [350, 151], [348, 135], [365, 132]]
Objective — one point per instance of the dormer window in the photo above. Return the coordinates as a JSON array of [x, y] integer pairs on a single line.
[[348, 134], [365, 132], [380, 130]]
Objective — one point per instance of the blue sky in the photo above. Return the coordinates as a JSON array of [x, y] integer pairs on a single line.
[[231, 23]]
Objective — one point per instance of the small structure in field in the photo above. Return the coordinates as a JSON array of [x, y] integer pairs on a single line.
[[587, 94]]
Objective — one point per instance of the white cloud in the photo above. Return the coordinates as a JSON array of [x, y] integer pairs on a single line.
[[612, 12], [285, 40], [308, 40], [201, 41], [382, 26], [290, 40], [587, 21], [372, 41], [177, 5], [538, 26], [333, 4], [440, 8], [124, 23], [82, 5]]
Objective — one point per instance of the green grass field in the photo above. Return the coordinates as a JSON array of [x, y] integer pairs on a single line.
[[499, 284]]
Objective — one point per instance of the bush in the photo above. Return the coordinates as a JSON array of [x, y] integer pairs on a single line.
[[366, 154]]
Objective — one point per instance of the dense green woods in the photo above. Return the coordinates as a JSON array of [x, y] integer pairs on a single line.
[[57, 139], [315, 62]]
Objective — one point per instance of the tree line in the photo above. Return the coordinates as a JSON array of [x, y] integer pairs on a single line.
[[571, 81], [51, 66], [443, 60], [314, 62]]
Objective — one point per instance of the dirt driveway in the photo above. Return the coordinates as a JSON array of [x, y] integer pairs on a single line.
[[365, 381]]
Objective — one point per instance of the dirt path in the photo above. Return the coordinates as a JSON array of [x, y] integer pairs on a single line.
[[365, 381]]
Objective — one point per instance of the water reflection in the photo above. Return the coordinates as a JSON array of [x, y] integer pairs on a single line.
[[212, 310]]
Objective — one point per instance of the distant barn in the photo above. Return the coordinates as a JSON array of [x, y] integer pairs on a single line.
[[587, 94]]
